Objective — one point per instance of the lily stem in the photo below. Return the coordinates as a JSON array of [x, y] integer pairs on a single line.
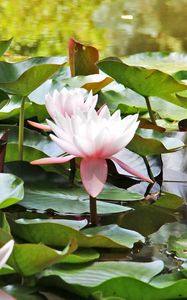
[[72, 170], [21, 129], [93, 211], [150, 110], [149, 171]]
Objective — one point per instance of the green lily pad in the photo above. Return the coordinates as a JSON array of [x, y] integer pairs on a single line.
[[170, 63], [72, 200], [151, 142], [106, 277], [162, 236], [35, 145], [29, 259], [145, 81], [169, 200], [111, 192], [81, 256], [59, 233], [130, 102], [24, 77], [11, 190]]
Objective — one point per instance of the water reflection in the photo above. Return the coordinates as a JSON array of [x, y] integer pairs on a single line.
[[115, 27]]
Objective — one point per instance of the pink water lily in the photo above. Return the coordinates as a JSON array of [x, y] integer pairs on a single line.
[[94, 137], [67, 102]]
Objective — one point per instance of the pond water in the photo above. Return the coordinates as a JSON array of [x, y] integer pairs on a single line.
[[116, 27]]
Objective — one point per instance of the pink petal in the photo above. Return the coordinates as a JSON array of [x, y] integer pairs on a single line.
[[52, 160], [39, 126], [94, 174], [5, 296], [130, 170]]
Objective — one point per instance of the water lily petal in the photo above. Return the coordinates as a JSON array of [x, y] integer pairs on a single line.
[[52, 160], [46, 128], [94, 175], [130, 170], [5, 252]]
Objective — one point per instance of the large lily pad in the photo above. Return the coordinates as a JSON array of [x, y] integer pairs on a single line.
[[58, 233], [130, 102], [172, 63], [11, 188], [29, 259], [145, 81], [35, 145], [23, 77], [126, 280], [151, 142], [72, 200], [162, 236], [110, 278]]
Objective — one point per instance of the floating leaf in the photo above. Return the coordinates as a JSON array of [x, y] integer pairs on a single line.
[[162, 236], [171, 63], [151, 142], [72, 200], [130, 102], [29, 259], [81, 256], [24, 77], [57, 233], [35, 145], [110, 278], [170, 201], [111, 192], [147, 82], [149, 218]]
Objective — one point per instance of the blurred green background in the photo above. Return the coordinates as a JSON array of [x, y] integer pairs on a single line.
[[120, 27]]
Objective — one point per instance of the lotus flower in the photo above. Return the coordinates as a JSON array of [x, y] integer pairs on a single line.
[[5, 252], [66, 102], [94, 137]]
